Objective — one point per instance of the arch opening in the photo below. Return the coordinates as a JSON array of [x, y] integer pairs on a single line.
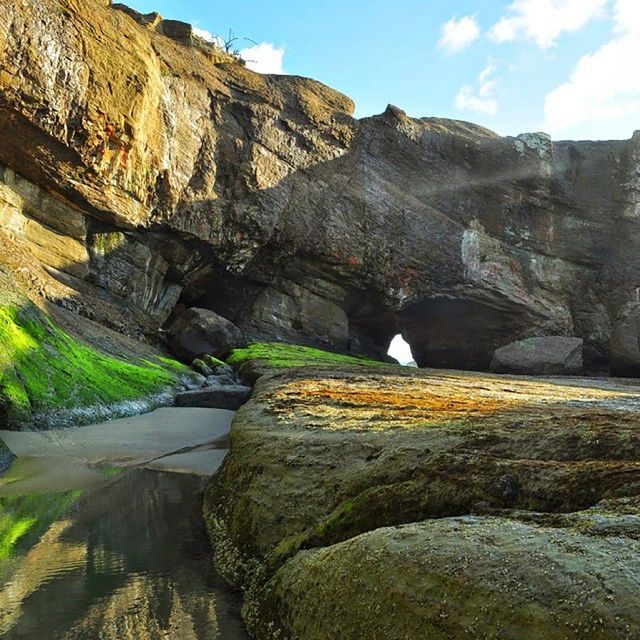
[[401, 351]]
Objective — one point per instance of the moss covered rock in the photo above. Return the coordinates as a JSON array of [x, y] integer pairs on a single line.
[[48, 376], [455, 578], [260, 358], [320, 455]]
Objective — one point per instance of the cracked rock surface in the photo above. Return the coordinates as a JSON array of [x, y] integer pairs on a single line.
[[349, 490]]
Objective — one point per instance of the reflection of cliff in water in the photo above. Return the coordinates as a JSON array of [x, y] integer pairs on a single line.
[[129, 560]]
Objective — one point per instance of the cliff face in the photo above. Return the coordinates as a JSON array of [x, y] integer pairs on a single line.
[[145, 168]]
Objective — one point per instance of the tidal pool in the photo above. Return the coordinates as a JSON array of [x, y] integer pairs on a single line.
[[108, 553]]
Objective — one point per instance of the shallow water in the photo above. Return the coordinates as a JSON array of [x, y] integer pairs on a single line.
[[123, 555]]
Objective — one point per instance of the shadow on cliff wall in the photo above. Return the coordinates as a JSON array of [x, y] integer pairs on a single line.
[[354, 250], [346, 253]]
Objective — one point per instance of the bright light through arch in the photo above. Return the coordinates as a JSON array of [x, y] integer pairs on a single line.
[[401, 351]]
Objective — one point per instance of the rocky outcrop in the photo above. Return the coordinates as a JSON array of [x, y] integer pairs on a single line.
[[463, 577], [199, 332], [58, 369], [469, 577], [320, 456], [549, 355], [229, 396], [178, 176]]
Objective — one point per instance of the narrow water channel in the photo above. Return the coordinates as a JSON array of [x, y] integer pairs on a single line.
[[119, 554]]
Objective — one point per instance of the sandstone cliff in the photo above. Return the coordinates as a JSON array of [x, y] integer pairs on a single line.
[[145, 168]]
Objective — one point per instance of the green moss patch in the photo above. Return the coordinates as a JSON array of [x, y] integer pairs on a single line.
[[281, 355], [44, 371], [213, 362]]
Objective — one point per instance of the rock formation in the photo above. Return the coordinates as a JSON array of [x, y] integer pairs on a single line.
[[346, 496], [179, 177], [548, 355], [469, 577], [200, 331], [153, 187]]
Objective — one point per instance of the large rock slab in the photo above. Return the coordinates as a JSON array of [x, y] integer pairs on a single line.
[[198, 332], [322, 455], [469, 577], [231, 396], [544, 355], [319, 456]]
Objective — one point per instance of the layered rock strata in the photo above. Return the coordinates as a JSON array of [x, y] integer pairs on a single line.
[[180, 177]]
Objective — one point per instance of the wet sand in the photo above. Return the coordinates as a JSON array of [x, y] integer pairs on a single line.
[[111, 542], [182, 440]]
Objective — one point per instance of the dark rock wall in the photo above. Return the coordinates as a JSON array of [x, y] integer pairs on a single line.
[[179, 177]]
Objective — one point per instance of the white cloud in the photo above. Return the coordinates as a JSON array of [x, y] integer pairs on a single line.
[[264, 58], [626, 15], [603, 88], [481, 96], [204, 34], [543, 21], [458, 34]]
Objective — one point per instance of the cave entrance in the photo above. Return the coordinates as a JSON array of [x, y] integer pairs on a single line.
[[401, 351], [458, 333]]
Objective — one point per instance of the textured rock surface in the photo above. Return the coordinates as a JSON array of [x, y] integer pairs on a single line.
[[177, 178], [231, 396], [319, 456], [461, 578], [178, 175], [57, 368], [625, 341], [199, 332], [548, 355]]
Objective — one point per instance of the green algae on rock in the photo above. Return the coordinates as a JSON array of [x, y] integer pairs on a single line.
[[262, 357], [48, 375], [321, 455], [458, 578]]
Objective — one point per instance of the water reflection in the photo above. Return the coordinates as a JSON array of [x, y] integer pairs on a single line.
[[128, 559]]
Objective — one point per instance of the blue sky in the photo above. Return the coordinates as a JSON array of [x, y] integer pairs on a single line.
[[567, 67]]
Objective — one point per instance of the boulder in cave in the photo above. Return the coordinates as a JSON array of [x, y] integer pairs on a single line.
[[229, 396], [542, 355], [201, 331]]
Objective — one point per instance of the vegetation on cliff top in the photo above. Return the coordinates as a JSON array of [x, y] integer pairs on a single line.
[[281, 355], [44, 370]]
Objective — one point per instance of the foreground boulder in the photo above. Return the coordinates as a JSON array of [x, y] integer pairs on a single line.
[[468, 577], [201, 331], [545, 355], [321, 455]]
